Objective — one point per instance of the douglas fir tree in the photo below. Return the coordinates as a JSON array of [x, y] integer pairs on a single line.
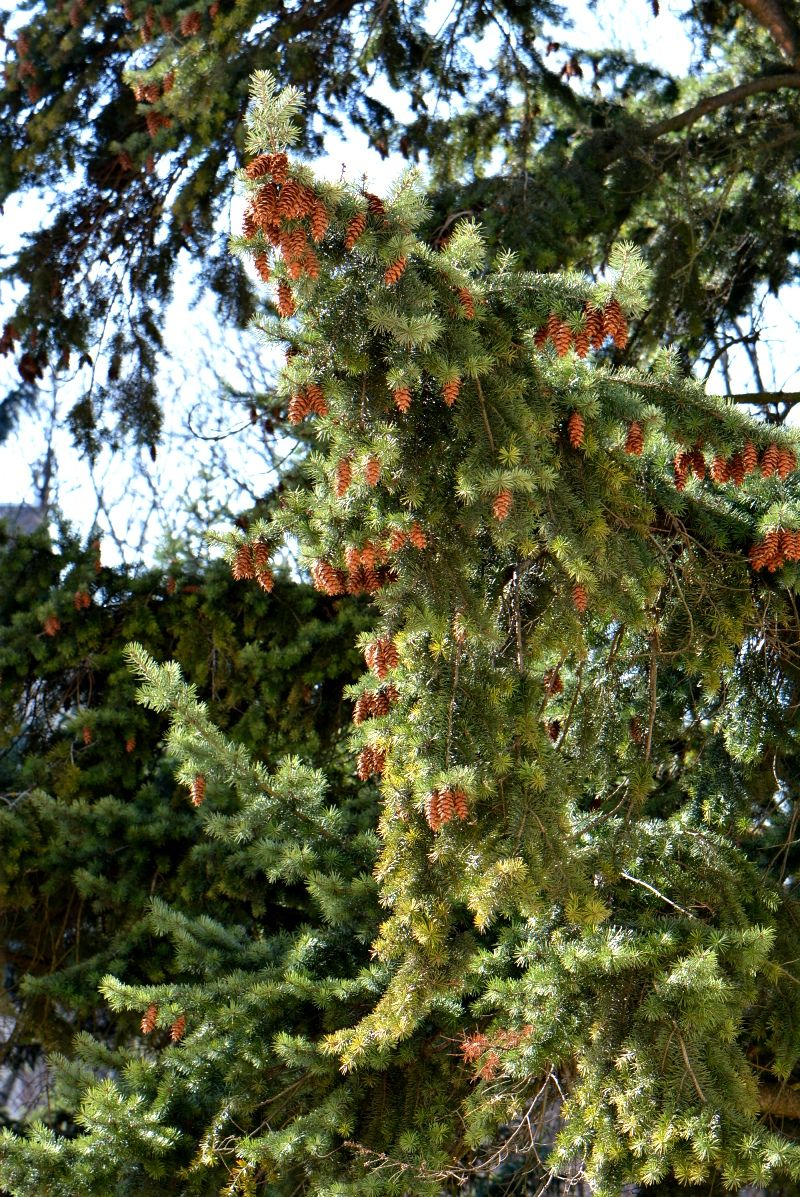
[[571, 939]]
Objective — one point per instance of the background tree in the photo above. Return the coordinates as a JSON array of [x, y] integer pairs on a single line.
[[92, 825], [581, 708]]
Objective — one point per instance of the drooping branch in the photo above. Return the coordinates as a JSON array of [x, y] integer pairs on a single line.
[[782, 30], [723, 99]]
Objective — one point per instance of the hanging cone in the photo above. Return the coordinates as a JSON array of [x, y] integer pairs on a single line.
[[770, 460], [736, 469], [395, 271], [198, 790], [576, 426], [749, 457], [594, 326], [242, 567], [178, 1029], [450, 391], [467, 303], [354, 230], [149, 1019], [344, 476], [580, 597], [286, 305], [372, 471], [503, 502], [417, 537], [719, 469], [402, 399], [634, 442], [786, 463]]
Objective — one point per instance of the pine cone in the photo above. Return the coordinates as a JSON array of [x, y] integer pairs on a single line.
[[460, 804], [397, 540], [364, 707], [758, 555], [634, 442], [562, 339], [286, 306], [503, 502], [582, 341], [719, 469], [792, 550], [467, 303], [698, 462], [278, 167], [81, 600], [736, 469], [298, 408], [291, 202], [266, 580], [786, 463], [576, 426], [395, 271], [130, 744], [375, 206], [52, 625], [402, 398], [265, 204], [417, 537], [553, 730], [319, 221], [372, 470], [198, 790], [447, 806], [178, 1029], [328, 579], [580, 597], [614, 323], [683, 461], [770, 459], [540, 337], [190, 24], [315, 397], [354, 230], [594, 326], [344, 476], [432, 810], [86, 734], [258, 167], [450, 391], [749, 457], [149, 1018], [261, 263]]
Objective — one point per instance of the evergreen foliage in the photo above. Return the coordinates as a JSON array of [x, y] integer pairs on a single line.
[[571, 939], [93, 826], [126, 114]]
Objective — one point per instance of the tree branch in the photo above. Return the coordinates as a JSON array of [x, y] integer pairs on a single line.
[[789, 398], [779, 1100], [734, 95], [783, 32]]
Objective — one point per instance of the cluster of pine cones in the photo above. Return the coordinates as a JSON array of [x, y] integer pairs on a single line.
[[372, 704], [772, 460], [252, 561], [286, 212], [443, 805], [598, 324], [308, 401], [381, 656], [367, 570], [778, 546], [370, 760]]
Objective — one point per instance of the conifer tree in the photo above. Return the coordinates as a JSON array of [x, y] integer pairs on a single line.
[[100, 106], [571, 938]]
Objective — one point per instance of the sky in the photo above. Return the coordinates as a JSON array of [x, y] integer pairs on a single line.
[[142, 505]]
